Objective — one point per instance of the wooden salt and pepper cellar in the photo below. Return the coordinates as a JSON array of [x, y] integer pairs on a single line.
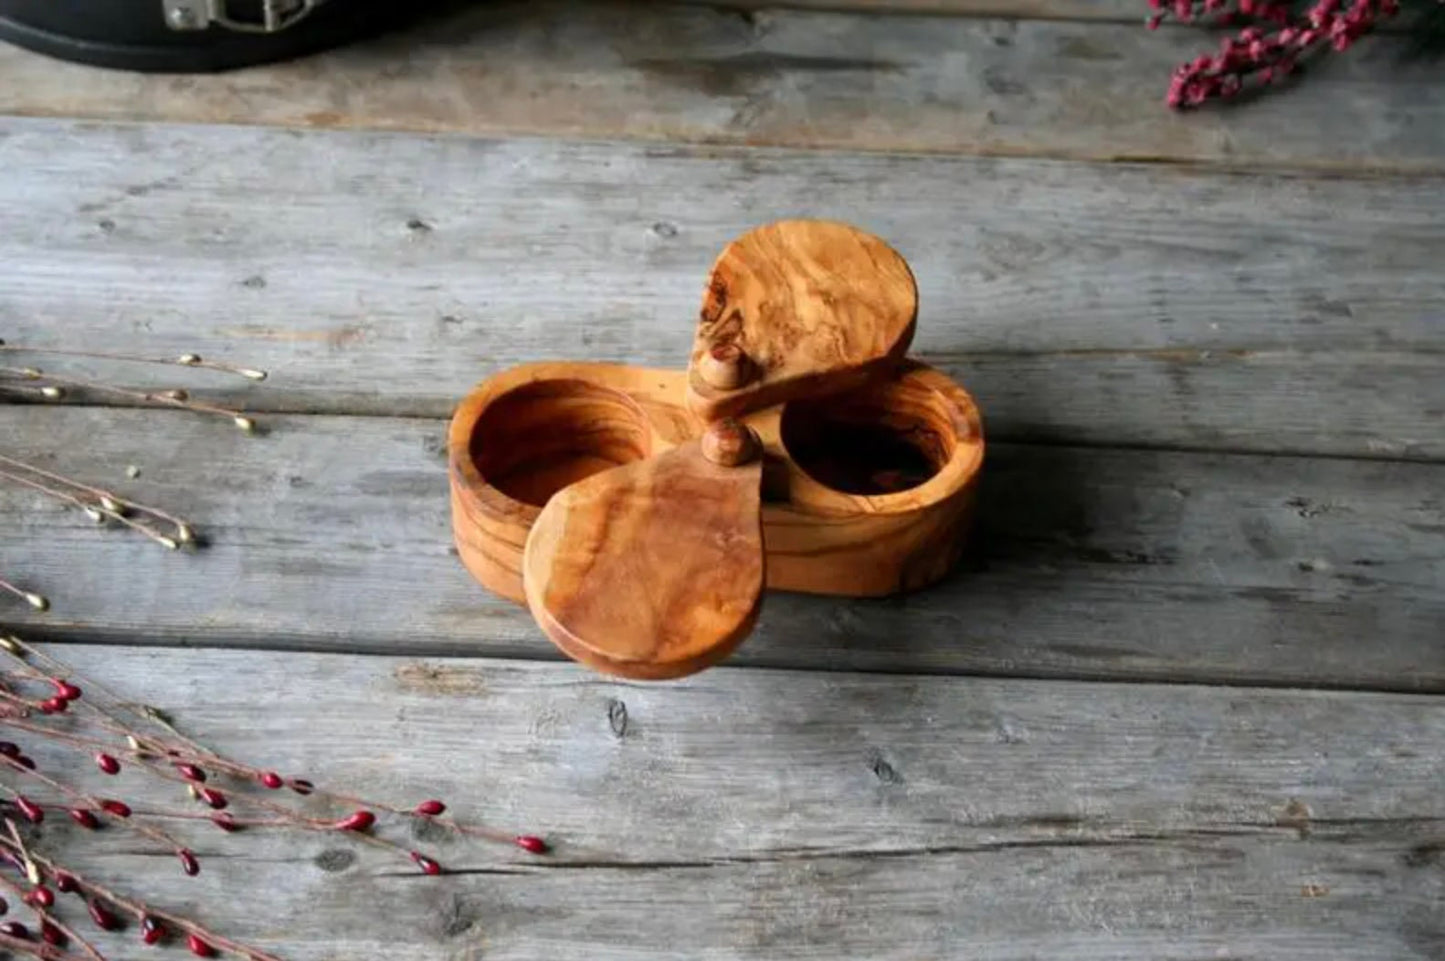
[[640, 513]]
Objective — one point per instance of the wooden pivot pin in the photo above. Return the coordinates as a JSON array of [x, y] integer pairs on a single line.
[[729, 443], [625, 506], [724, 367]]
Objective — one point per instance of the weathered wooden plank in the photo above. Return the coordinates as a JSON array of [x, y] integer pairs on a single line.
[[387, 274], [790, 78], [1123, 11], [1120, 11], [763, 814], [332, 533]]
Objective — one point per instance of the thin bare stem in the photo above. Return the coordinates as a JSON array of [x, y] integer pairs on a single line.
[[116, 725], [37, 601], [173, 398], [93, 509], [184, 360], [292, 821], [446, 823], [22, 650], [94, 805], [317, 824], [46, 392], [189, 751], [32, 874], [12, 698], [45, 915], [99, 492], [88, 743], [141, 910], [37, 949]]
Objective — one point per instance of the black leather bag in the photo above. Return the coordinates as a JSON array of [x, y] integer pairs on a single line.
[[190, 36]]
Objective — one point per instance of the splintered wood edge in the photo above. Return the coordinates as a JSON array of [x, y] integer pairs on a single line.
[[651, 570], [798, 308]]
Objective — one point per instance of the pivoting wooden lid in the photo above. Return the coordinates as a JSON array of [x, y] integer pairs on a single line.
[[654, 569], [795, 309]]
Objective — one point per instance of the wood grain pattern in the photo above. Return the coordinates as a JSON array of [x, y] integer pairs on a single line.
[[810, 306], [858, 81], [1122, 11], [334, 533], [806, 815], [651, 570], [387, 274], [867, 493], [876, 488]]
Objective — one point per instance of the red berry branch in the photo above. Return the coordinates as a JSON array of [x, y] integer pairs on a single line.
[[41, 698], [44, 701], [1277, 36]]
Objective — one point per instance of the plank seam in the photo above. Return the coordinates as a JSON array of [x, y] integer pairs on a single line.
[[994, 437], [539, 653], [1298, 168]]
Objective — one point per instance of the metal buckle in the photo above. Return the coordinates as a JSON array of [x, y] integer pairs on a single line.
[[276, 15]]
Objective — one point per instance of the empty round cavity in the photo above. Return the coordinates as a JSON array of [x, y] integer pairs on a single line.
[[880, 439], [536, 439]]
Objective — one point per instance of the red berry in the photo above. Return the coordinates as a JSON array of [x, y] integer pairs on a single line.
[[9, 749], [65, 689], [64, 883], [26, 761], [272, 780], [532, 843], [301, 786], [151, 930], [427, 865], [119, 808], [225, 822], [213, 798], [356, 821], [30, 809], [41, 896], [199, 947], [430, 808], [54, 705], [103, 916], [189, 864], [84, 818], [191, 773], [51, 934], [14, 929], [107, 764]]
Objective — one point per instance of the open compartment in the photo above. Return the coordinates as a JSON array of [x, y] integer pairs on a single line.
[[545, 435], [883, 438]]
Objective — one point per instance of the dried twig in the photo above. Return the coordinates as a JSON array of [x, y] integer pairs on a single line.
[[37, 601], [183, 360]]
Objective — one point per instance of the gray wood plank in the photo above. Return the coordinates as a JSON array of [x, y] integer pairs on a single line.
[[386, 274], [1119, 11], [1122, 11], [792, 78], [333, 533], [766, 814]]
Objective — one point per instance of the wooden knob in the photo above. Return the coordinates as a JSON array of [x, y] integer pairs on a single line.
[[730, 443], [725, 367]]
